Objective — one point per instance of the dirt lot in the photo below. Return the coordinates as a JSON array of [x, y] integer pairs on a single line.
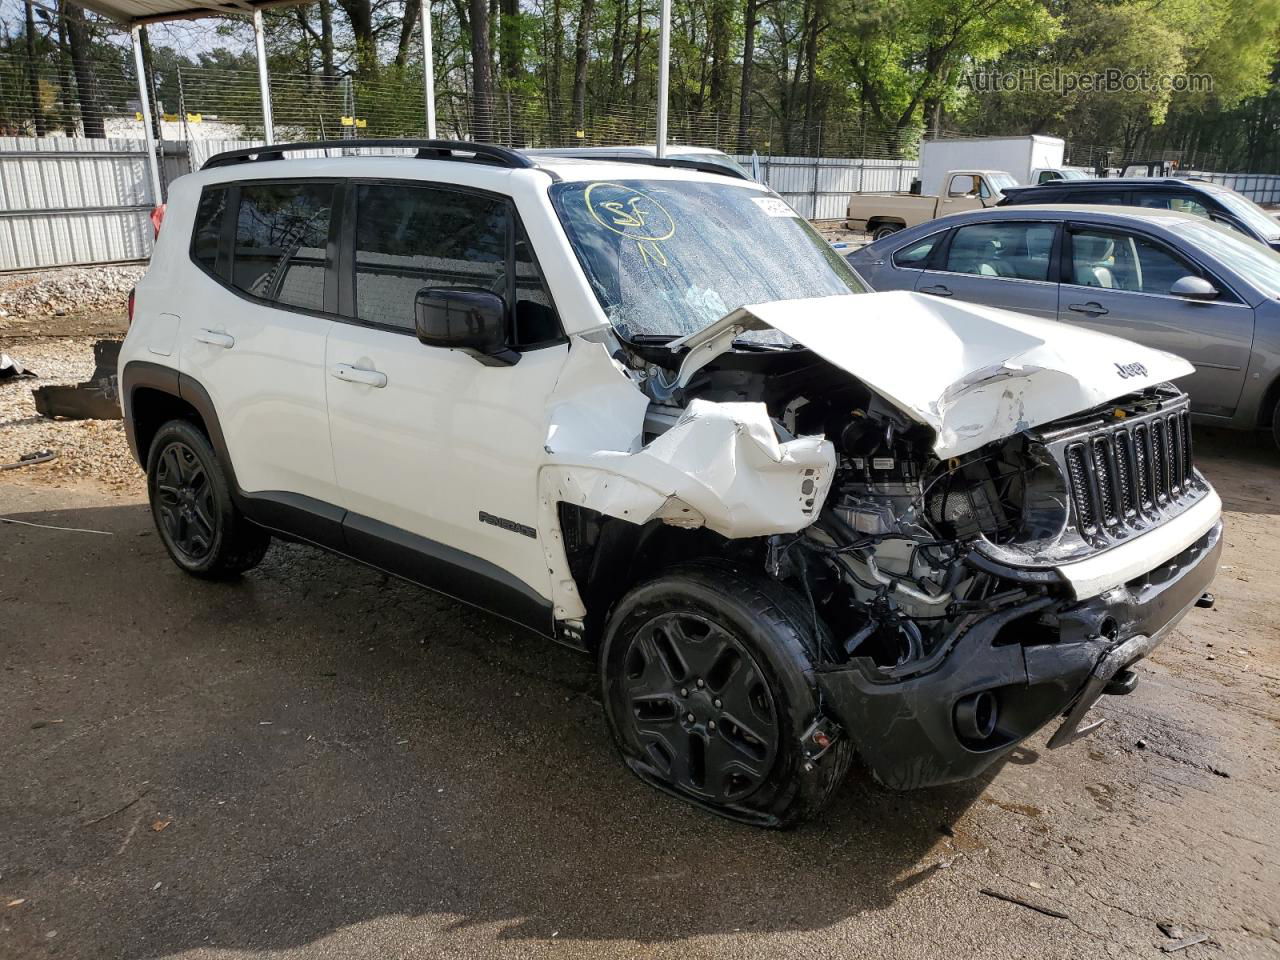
[[318, 761]]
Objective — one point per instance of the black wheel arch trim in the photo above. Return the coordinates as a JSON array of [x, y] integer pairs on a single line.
[[439, 567]]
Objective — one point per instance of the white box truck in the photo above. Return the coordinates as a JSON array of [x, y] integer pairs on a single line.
[[1020, 157]]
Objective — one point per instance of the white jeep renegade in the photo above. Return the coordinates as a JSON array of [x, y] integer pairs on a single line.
[[643, 409]]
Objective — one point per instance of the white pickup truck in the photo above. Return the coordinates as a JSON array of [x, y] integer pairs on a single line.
[[881, 214]]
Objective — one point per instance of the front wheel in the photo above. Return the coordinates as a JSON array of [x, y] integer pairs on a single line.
[[706, 673], [191, 503]]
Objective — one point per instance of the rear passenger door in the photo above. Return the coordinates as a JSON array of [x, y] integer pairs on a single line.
[[1118, 282], [254, 325], [437, 454], [1002, 263]]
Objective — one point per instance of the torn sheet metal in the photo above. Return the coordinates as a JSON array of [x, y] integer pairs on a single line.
[[721, 466], [974, 374]]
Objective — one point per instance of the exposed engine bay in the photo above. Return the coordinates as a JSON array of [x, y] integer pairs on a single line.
[[908, 548]]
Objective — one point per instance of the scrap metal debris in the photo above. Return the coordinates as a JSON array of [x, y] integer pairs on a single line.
[[11, 369], [1183, 944], [30, 459], [1008, 898], [98, 398]]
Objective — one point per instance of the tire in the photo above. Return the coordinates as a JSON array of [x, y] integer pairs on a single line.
[[192, 508], [734, 651], [884, 230]]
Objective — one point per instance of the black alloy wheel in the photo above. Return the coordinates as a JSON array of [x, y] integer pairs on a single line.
[[191, 502], [184, 502], [700, 706], [707, 679]]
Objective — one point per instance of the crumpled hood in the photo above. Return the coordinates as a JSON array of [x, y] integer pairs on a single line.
[[974, 374]]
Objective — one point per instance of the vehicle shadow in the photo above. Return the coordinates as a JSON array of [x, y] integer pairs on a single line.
[[260, 764]]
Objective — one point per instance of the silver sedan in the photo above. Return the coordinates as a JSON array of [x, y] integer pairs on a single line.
[[1165, 279]]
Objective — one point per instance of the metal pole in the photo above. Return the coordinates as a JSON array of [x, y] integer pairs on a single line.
[[664, 76], [152, 162], [264, 89], [428, 70]]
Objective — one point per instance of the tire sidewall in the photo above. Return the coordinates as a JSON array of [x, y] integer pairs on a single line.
[[781, 654], [178, 431], [881, 232]]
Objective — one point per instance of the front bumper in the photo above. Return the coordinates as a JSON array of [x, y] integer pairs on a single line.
[[907, 731]]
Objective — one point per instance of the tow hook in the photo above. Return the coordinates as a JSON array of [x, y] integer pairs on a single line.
[[817, 740]]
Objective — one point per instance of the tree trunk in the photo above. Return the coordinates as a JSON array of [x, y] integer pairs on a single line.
[[512, 44], [580, 65], [748, 62], [412, 9], [327, 66], [635, 78], [360, 16], [719, 43], [33, 80], [618, 53], [86, 83], [557, 57], [149, 68], [481, 79]]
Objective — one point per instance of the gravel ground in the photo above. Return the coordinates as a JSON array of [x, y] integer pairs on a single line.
[[87, 449], [46, 293]]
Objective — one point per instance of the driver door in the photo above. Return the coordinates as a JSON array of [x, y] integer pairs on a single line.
[[1118, 282]]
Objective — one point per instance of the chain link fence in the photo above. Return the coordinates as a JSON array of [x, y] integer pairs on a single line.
[[201, 103]]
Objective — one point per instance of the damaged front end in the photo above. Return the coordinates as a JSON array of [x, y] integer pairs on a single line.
[[987, 551]]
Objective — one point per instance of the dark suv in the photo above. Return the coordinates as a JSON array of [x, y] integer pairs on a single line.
[[1220, 204]]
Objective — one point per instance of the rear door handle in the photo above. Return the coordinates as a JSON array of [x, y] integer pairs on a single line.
[[1090, 308], [353, 374], [937, 290], [216, 339]]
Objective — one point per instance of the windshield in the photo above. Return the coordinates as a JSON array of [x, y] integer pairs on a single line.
[[1250, 213], [668, 257], [1074, 175], [1258, 264], [1001, 181]]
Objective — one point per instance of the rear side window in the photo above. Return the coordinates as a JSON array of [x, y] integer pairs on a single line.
[[1182, 202], [916, 256], [410, 237], [1017, 251], [206, 236], [281, 241]]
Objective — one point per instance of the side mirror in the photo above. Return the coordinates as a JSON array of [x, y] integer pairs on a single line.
[[1194, 288], [467, 319]]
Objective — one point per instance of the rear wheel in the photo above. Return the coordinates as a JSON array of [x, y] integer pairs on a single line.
[[1275, 424], [191, 503], [706, 679], [884, 230]]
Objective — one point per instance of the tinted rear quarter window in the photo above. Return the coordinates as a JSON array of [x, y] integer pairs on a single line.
[[282, 235], [206, 235]]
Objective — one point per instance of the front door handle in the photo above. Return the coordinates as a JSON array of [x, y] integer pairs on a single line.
[[216, 338], [937, 290], [1091, 308], [353, 374]]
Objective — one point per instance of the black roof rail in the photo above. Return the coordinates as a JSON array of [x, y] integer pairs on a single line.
[[679, 163], [427, 150]]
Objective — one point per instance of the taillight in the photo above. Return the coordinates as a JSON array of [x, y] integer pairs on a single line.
[[131, 308], [157, 218]]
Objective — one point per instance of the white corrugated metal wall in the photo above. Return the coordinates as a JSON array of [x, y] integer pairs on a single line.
[[66, 201], [819, 187]]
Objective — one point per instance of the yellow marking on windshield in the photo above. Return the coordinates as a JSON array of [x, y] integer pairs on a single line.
[[629, 213]]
